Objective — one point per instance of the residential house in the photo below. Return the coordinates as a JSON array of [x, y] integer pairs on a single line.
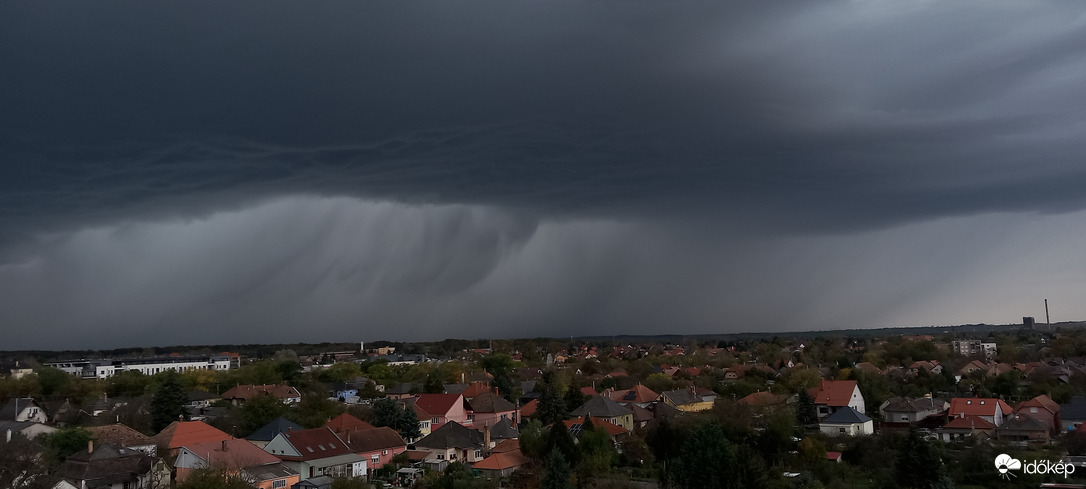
[[973, 366], [967, 426], [181, 433], [604, 408], [488, 408], [283, 392], [316, 452], [869, 368], [452, 442], [690, 400], [345, 424], [764, 399], [443, 408], [1023, 429], [499, 465], [931, 367], [112, 467], [832, 395], [377, 445], [641, 416], [906, 410], [122, 436], [266, 433], [23, 409], [1043, 409], [401, 391], [529, 408], [501, 431], [576, 426], [262, 469], [475, 389], [28, 429], [847, 421], [200, 399], [638, 394], [1073, 413], [992, 410]]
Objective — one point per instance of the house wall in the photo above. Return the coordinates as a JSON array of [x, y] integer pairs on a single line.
[[287, 482], [383, 456], [489, 419]]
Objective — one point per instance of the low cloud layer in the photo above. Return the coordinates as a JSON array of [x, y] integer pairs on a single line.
[[618, 153], [321, 269]]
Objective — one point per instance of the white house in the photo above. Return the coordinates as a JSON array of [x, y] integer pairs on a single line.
[[847, 421], [23, 409]]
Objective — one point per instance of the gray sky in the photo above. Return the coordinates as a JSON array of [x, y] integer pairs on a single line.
[[208, 172]]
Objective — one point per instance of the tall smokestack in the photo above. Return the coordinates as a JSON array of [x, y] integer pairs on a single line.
[[1048, 321]]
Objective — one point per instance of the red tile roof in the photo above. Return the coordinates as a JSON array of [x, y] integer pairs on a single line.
[[475, 389], [529, 408], [1042, 401], [438, 404], [346, 423], [238, 453], [316, 443], [181, 433], [589, 391], [507, 445], [502, 461], [836, 393], [969, 422], [639, 392], [978, 406], [764, 398]]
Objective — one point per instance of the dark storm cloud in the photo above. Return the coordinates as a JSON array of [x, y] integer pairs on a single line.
[[207, 171], [831, 116]]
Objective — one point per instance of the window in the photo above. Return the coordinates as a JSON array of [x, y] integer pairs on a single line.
[[310, 449], [434, 421], [374, 459], [441, 456], [276, 484], [471, 417], [333, 447], [384, 452], [840, 430], [905, 418], [478, 454]]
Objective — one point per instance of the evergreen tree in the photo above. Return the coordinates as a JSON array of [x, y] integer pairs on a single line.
[[551, 407], [68, 441], [259, 411], [806, 413], [168, 402], [556, 475], [433, 383], [558, 438], [387, 412], [919, 466], [707, 460]]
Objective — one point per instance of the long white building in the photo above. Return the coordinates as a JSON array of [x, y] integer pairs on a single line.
[[105, 368]]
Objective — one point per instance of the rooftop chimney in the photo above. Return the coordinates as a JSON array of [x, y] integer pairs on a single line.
[[224, 445], [90, 446]]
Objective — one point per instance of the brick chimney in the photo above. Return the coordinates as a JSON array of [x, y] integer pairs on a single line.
[[90, 446]]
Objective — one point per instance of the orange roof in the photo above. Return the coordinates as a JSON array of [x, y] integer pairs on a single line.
[[637, 393], [345, 423], [764, 398], [235, 454], [475, 389], [529, 408], [502, 461], [506, 445], [836, 393], [969, 422], [612, 429], [589, 391], [978, 406], [181, 433]]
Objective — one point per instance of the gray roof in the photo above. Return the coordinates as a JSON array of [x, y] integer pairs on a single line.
[[904, 405], [601, 407], [268, 431], [1075, 410], [503, 430], [489, 402], [1022, 423], [452, 435], [10, 411], [846, 415]]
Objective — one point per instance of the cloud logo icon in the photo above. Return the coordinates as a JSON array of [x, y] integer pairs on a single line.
[[1005, 463]]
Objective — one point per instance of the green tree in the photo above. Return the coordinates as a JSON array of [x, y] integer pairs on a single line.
[[21, 467], [707, 460], [919, 466], [550, 407], [259, 411], [533, 439], [387, 412], [597, 451], [65, 442], [806, 413], [557, 471], [54, 382], [433, 384], [314, 411], [168, 403]]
